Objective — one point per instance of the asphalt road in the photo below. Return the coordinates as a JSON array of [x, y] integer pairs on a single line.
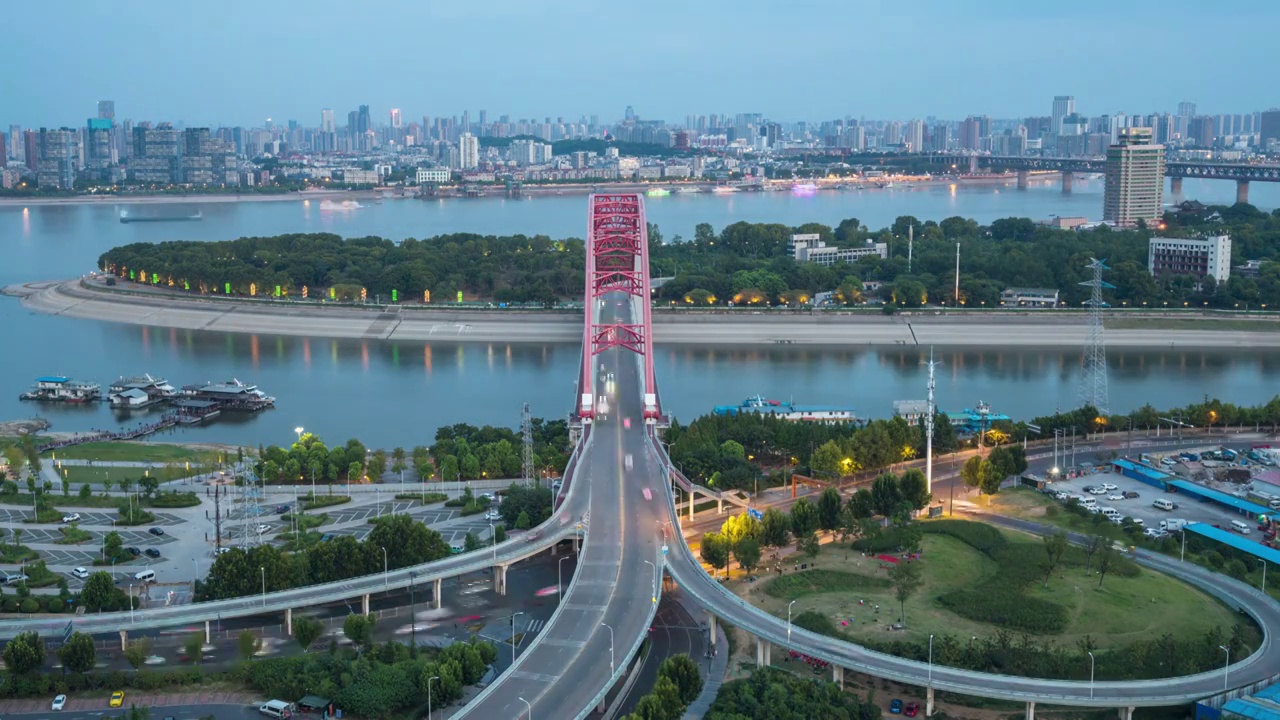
[[560, 676], [674, 632], [178, 712], [688, 572]]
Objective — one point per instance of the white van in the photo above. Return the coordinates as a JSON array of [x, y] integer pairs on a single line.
[[1162, 504], [277, 709], [1110, 512], [1089, 502], [1240, 527], [146, 576]]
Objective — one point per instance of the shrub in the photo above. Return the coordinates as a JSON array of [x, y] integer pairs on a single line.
[[29, 606]]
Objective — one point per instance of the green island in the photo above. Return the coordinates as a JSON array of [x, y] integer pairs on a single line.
[[743, 263]]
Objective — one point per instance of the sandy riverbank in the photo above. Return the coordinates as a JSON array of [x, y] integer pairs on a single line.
[[70, 299]]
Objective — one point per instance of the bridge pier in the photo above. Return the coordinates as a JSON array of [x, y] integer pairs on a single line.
[[500, 579], [124, 640], [719, 506], [207, 637], [928, 702], [763, 652], [711, 626], [1175, 186], [973, 164], [437, 587], [364, 604], [1242, 191], [288, 622], [1022, 179], [837, 676], [1031, 710], [1068, 179], [1126, 713]]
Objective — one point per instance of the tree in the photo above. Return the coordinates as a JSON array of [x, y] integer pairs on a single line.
[[914, 488], [306, 630], [826, 459], [522, 521], [24, 653], [804, 518], [829, 505], [78, 655], [860, 505], [715, 550], [905, 578], [112, 544], [99, 592], [193, 647], [991, 479], [248, 644], [885, 495], [136, 652], [683, 672], [86, 491], [810, 545], [471, 542], [1091, 548], [747, 552], [1055, 546], [971, 473], [775, 528], [499, 533], [738, 527], [359, 629], [1107, 559]]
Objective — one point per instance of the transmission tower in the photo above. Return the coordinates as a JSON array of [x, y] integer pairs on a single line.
[[526, 452], [1093, 376], [928, 426]]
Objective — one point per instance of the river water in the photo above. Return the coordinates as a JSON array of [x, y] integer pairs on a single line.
[[390, 394]]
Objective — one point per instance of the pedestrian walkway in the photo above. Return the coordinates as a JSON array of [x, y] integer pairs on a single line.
[[138, 698], [719, 665]]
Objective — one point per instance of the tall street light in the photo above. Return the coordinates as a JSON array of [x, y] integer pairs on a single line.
[[386, 582], [793, 602], [612, 670], [433, 677], [513, 636], [413, 617], [493, 535], [931, 663], [654, 598], [529, 715], [1226, 668], [264, 586], [299, 431], [560, 575], [1091, 665]]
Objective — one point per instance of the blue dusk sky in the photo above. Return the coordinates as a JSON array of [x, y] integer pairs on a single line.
[[237, 62]]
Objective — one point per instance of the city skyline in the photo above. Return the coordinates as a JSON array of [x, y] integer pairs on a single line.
[[939, 60]]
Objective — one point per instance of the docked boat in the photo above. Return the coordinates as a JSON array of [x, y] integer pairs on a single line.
[[139, 392], [787, 411], [230, 395], [57, 388]]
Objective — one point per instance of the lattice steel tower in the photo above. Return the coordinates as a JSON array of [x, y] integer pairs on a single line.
[[526, 452], [1093, 375]]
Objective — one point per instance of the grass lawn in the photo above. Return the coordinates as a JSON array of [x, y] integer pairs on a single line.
[[105, 502], [1123, 610], [10, 553], [1031, 505], [77, 475], [136, 452], [323, 501], [72, 535], [305, 522], [1194, 324]]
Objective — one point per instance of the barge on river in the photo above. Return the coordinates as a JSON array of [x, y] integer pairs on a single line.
[[787, 411], [57, 388], [230, 395], [139, 392]]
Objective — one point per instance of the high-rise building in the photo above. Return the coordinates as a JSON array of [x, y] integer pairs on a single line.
[[99, 150], [157, 155], [1186, 108], [941, 137], [1269, 127], [1197, 257], [971, 133], [59, 158], [396, 121], [915, 136], [1063, 105], [326, 120], [1200, 131], [15, 142], [107, 109], [4, 152], [31, 149], [1134, 180], [468, 151], [327, 139]]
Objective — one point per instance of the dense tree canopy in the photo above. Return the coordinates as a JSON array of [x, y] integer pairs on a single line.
[[782, 695]]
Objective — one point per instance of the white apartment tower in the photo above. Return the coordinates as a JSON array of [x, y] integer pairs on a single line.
[[468, 151]]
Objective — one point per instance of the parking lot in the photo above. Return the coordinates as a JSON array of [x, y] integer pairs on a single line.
[[1189, 508]]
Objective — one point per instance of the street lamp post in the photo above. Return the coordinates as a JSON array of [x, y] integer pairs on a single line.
[[264, 586], [1226, 667], [386, 581], [131, 599], [529, 709], [654, 598], [793, 602], [299, 431], [433, 677], [931, 662], [612, 669], [513, 636], [560, 576], [493, 536], [1091, 666], [413, 615]]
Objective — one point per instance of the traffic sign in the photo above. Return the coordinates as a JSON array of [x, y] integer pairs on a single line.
[[1033, 428], [66, 633], [755, 513], [664, 549]]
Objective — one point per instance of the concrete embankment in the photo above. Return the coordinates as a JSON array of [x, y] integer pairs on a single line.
[[71, 299]]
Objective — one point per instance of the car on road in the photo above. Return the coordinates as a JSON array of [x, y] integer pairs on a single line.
[[1115, 496], [493, 515], [15, 578], [326, 537], [1154, 533], [1061, 496], [156, 531], [912, 709], [895, 707], [1109, 487], [151, 553], [117, 699], [222, 550], [264, 529], [282, 509], [1129, 494], [133, 551], [59, 701], [647, 494], [80, 572], [628, 461], [1168, 462], [626, 423], [1097, 490], [457, 548], [73, 517]]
